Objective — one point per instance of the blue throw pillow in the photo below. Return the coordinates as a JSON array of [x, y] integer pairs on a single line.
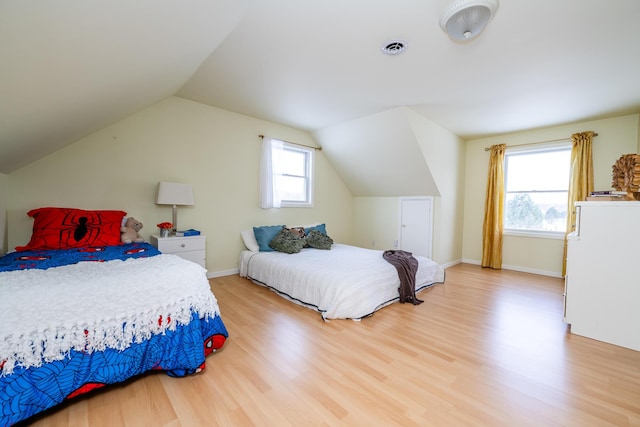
[[265, 234], [320, 227]]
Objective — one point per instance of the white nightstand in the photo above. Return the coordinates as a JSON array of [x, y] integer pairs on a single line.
[[192, 248]]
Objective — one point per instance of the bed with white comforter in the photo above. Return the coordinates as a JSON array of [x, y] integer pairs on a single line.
[[345, 282]]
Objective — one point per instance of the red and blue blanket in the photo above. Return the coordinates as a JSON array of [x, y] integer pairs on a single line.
[[179, 351], [43, 259]]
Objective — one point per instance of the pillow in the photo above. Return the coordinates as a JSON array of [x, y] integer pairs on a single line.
[[304, 226], [249, 239], [319, 227], [265, 234], [298, 231], [317, 240], [287, 242], [66, 228]]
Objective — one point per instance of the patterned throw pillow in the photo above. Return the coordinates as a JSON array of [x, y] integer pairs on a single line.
[[317, 240], [287, 242], [68, 228], [298, 231]]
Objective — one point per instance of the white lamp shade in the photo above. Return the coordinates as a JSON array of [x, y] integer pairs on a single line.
[[465, 19], [173, 193]]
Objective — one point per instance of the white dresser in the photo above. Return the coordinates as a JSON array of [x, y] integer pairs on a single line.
[[602, 283], [192, 248]]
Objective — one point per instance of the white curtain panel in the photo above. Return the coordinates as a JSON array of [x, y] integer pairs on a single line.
[[269, 161]]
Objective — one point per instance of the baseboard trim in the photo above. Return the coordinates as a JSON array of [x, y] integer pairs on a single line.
[[213, 274], [521, 269], [451, 263]]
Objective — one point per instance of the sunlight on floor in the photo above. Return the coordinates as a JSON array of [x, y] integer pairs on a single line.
[[526, 338]]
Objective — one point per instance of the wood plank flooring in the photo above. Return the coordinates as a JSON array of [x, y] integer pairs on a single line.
[[487, 348]]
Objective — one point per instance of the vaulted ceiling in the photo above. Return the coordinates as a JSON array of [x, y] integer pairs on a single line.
[[71, 67]]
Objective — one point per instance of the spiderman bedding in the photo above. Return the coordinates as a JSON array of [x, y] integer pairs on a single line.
[[75, 320]]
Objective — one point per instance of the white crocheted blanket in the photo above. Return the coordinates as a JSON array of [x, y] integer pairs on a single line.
[[91, 306]]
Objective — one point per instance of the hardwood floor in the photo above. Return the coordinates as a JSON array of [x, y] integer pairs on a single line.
[[486, 348]]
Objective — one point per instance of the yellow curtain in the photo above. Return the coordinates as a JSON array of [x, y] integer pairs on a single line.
[[493, 210], [580, 181]]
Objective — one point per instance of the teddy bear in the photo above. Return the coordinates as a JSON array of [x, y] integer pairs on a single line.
[[129, 231]]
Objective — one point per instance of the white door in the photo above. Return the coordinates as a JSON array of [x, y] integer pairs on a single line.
[[416, 221]]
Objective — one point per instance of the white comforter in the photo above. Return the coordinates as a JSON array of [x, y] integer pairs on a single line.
[[94, 305], [345, 282]]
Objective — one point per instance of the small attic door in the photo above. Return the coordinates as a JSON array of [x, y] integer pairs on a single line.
[[416, 225]]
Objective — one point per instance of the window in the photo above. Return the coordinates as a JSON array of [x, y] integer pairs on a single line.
[[286, 176], [293, 175], [536, 190]]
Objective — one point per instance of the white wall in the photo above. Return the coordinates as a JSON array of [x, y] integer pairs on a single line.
[[376, 222], [177, 140], [444, 153], [616, 136], [638, 127], [378, 218], [377, 155]]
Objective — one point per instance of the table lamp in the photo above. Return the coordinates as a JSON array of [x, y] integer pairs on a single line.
[[173, 193]]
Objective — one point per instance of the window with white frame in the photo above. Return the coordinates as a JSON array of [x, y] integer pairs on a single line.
[[536, 190], [294, 178], [286, 175]]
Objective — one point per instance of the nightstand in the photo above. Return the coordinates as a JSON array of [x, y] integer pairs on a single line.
[[192, 248]]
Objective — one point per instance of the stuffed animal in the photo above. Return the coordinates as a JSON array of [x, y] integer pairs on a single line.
[[129, 231]]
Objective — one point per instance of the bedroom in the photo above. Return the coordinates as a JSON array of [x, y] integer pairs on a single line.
[[227, 143], [118, 163], [177, 139]]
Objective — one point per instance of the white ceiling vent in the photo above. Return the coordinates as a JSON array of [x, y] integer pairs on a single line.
[[394, 47]]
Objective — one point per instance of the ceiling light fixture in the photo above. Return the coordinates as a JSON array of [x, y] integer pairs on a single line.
[[394, 47], [465, 19]]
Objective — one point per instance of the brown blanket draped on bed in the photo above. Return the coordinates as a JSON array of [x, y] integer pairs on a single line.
[[407, 267]]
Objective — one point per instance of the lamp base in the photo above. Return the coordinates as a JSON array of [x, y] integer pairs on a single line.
[[174, 220]]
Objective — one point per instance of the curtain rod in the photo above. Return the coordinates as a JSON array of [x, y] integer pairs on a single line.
[[295, 143], [536, 143]]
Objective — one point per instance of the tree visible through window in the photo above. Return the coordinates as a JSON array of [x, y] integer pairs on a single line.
[[537, 183]]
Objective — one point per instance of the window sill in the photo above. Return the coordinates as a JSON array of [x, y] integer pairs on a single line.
[[555, 235], [296, 205]]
